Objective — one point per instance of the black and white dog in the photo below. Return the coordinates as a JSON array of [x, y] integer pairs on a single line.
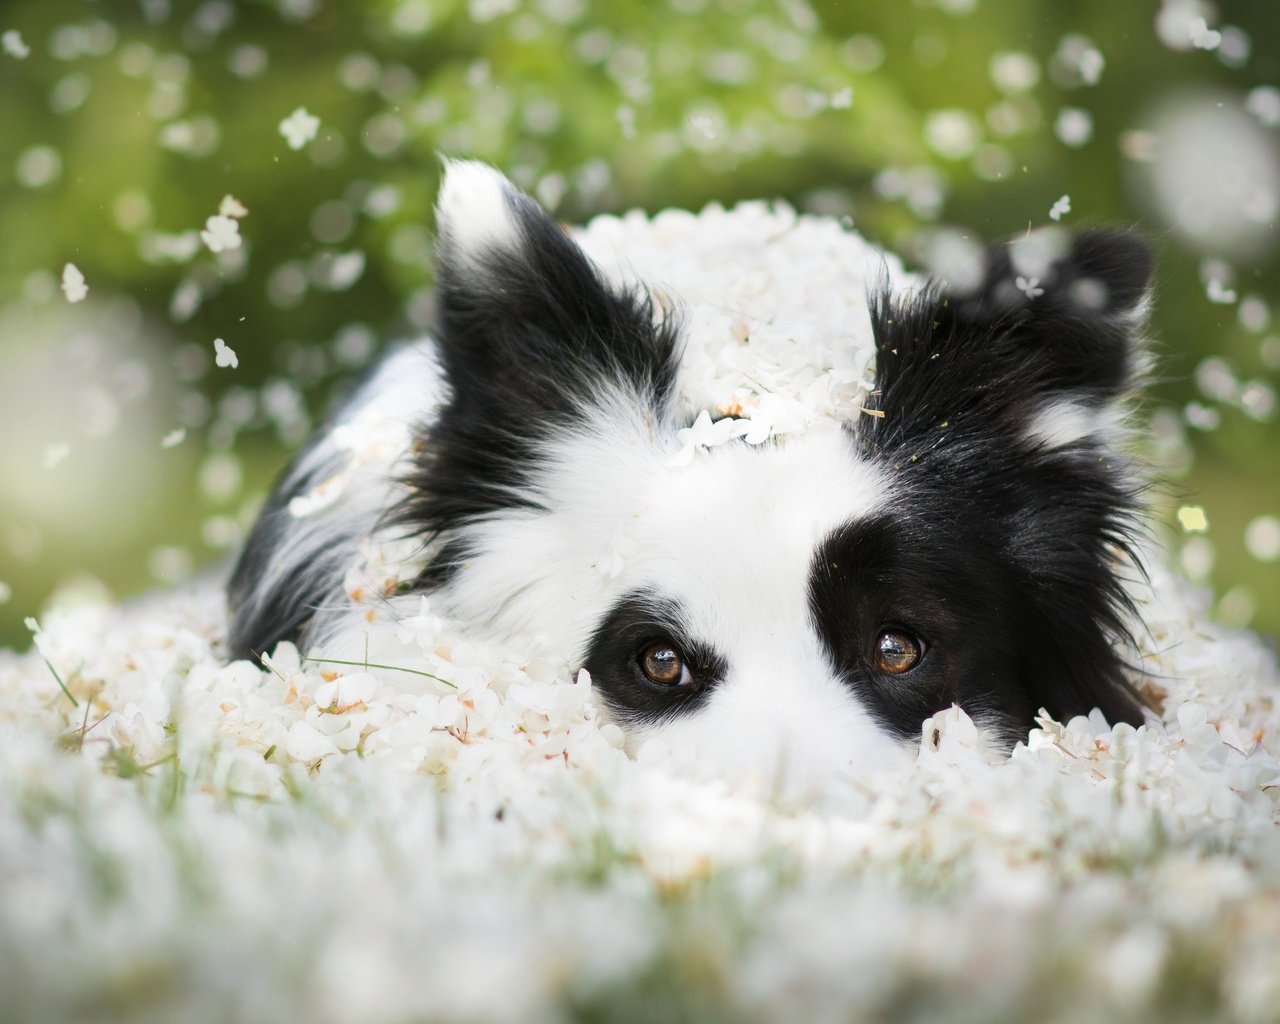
[[815, 597]]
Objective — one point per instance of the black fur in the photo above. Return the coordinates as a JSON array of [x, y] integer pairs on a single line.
[[634, 622], [908, 572], [257, 628], [1022, 545], [254, 630], [528, 336]]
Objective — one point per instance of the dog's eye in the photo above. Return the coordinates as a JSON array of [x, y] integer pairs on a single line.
[[661, 663], [897, 651]]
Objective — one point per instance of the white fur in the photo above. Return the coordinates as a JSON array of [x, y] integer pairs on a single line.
[[473, 212], [354, 467], [1065, 422]]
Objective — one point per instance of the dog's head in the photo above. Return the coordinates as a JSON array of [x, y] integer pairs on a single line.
[[800, 605]]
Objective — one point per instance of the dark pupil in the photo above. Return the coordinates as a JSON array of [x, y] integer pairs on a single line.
[[661, 663], [896, 651]]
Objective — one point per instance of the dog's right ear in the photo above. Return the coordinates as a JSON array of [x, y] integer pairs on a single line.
[[533, 341]]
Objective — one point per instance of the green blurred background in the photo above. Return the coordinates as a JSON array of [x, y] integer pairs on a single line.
[[130, 460]]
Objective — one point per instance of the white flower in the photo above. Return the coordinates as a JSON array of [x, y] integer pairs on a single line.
[[1014, 71], [346, 692], [231, 207], [1202, 36], [1262, 538], [224, 355], [13, 44], [305, 742], [707, 434], [284, 662], [73, 286], [174, 437], [422, 628], [775, 414], [1029, 286], [1058, 211], [299, 128], [221, 233]]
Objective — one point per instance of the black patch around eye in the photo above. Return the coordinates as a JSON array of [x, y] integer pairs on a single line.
[[886, 574], [635, 622]]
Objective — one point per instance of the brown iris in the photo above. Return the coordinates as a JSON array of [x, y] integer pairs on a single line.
[[662, 664], [897, 651]]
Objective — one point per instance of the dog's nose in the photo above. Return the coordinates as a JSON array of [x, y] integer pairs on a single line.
[[795, 740]]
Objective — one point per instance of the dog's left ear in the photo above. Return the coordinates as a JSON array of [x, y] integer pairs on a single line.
[[1006, 409]]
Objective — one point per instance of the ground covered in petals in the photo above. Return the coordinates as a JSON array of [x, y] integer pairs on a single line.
[[183, 839]]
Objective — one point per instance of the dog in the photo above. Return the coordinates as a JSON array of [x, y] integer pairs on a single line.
[[808, 599]]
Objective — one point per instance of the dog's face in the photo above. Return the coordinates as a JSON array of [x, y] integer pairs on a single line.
[[802, 605]]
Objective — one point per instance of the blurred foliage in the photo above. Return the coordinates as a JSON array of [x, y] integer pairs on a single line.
[[127, 122]]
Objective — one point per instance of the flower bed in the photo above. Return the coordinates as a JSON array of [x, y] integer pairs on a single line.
[[199, 841]]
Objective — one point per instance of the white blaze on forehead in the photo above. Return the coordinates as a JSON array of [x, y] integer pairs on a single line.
[[474, 211], [744, 523]]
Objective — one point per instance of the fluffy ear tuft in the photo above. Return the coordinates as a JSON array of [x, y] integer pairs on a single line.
[[1109, 272], [1097, 273], [476, 209]]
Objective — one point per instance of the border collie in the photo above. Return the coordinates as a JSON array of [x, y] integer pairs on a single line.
[[810, 599]]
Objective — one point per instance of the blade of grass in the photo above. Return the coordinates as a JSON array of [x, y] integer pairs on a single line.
[[390, 668], [63, 686]]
